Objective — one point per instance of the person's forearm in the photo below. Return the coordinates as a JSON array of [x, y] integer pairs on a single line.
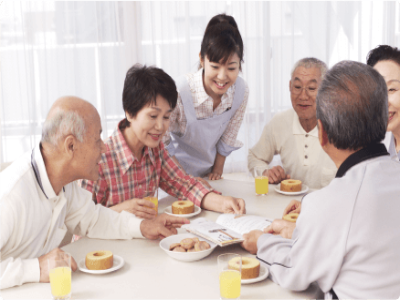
[[211, 201], [177, 162], [219, 164], [118, 207]]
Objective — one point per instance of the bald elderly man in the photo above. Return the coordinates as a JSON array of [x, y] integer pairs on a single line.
[[40, 201]]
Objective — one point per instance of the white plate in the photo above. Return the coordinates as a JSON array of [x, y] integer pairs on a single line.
[[118, 264], [197, 210], [304, 189], [263, 274], [185, 256]]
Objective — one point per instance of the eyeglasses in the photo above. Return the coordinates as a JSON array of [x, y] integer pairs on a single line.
[[311, 91]]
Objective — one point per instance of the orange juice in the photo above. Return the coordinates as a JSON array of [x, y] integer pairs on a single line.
[[153, 200], [261, 185], [60, 281], [229, 284]]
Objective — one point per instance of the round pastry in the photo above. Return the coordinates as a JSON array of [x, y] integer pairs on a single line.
[[250, 266], [292, 217], [291, 185], [99, 260], [182, 207]]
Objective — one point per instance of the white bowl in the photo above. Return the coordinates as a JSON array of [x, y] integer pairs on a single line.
[[185, 256]]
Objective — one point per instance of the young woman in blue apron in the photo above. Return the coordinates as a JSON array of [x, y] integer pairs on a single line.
[[211, 103]]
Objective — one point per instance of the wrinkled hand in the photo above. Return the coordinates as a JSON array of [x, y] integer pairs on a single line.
[[232, 205], [276, 174], [204, 182], [250, 241], [162, 226], [44, 265], [141, 208], [215, 176], [293, 207], [281, 227]]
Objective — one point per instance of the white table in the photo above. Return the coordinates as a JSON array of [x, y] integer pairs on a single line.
[[149, 273]]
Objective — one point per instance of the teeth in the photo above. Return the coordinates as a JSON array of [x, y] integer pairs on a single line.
[[221, 84]]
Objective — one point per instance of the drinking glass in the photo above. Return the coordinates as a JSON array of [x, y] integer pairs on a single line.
[[60, 276], [261, 181], [152, 196], [229, 271]]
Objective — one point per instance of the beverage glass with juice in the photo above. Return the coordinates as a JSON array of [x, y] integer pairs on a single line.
[[60, 276], [229, 278], [152, 196], [261, 180]]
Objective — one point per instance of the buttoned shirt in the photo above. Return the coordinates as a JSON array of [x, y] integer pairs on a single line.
[[123, 176], [301, 153], [203, 105], [34, 219], [346, 238]]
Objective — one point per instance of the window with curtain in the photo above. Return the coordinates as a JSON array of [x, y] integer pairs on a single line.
[[54, 48]]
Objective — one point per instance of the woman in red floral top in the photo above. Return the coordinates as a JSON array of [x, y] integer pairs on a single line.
[[136, 160]]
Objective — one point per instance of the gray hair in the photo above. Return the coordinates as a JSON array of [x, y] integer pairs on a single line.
[[61, 124], [352, 104], [311, 62]]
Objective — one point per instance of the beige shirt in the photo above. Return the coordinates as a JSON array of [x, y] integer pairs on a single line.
[[301, 153]]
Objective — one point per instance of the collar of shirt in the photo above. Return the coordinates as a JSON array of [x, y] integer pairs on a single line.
[[371, 151], [125, 157], [392, 148], [201, 96], [42, 178], [298, 129]]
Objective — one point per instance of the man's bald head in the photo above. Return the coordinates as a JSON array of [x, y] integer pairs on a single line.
[[68, 115]]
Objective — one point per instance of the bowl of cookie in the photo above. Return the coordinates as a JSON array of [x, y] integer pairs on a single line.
[[187, 247]]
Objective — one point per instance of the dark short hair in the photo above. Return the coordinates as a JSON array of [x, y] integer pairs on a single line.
[[141, 87], [352, 104], [221, 39], [383, 52]]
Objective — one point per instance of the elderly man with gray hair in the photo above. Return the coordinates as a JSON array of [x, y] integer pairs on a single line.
[[346, 238], [294, 135], [40, 201]]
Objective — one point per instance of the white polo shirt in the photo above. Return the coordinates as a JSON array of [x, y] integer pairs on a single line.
[[34, 220], [301, 153], [346, 237], [391, 147]]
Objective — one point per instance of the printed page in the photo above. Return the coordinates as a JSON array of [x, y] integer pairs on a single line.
[[243, 223], [214, 232]]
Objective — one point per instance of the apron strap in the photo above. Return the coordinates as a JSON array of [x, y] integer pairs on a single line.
[[186, 95]]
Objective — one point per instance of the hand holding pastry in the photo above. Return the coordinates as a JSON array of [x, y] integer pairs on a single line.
[[293, 207]]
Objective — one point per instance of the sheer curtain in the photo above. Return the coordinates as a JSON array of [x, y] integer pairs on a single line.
[[55, 48]]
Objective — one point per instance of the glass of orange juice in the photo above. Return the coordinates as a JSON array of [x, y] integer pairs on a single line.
[[229, 271], [152, 196], [60, 276], [261, 180]]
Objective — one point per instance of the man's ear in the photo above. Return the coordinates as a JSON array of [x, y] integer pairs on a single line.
[[70, 146], [322, 135]]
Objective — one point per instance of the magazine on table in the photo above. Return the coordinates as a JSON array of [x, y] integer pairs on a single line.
[[228, 229]]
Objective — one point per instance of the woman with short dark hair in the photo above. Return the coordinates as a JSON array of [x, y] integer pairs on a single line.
[[136, 162]]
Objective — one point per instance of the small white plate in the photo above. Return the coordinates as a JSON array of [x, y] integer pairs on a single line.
[[263, 274], [304, 189], [117, 264], [197, 210]]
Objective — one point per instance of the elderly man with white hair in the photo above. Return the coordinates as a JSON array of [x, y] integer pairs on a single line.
[[346, 238], [40, 201], [294, 135]]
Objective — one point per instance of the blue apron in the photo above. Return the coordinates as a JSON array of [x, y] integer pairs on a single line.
[[197, 147]]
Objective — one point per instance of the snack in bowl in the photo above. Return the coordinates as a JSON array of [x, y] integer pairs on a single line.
[[182, 207], [250, 266], [189, 245], [291, 217], [99, 260], [290, 185]]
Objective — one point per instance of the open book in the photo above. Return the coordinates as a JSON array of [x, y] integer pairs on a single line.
[[228, 229]]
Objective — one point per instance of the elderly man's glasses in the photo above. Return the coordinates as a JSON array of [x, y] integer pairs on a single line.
[[311, 91]]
